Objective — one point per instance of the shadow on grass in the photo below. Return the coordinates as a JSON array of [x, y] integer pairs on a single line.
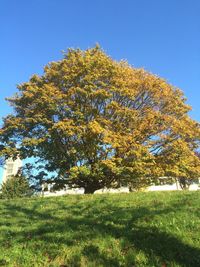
[[88, 221]]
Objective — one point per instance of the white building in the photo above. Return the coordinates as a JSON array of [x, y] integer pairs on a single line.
[[47, 190], [170, 184], [11, 167]]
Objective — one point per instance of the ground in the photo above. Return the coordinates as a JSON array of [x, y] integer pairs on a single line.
[[136, 229]]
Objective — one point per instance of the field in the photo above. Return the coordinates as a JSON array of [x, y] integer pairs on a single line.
[[137, 229]]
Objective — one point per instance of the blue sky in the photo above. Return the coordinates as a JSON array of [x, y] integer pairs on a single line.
[[160, 36]]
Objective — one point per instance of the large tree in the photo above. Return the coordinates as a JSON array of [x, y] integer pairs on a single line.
[[98, 122]]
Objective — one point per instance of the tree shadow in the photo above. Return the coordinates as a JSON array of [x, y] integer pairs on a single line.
[[88, 221]]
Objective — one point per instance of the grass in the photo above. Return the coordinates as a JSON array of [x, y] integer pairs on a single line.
[[138, 229]]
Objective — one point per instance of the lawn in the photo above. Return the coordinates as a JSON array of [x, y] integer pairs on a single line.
[[137, 229]]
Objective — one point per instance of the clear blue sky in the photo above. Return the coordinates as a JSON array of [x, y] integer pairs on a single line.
[[161, 36]]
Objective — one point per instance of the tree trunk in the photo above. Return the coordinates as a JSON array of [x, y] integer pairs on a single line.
[[184, 184], [90, 189]]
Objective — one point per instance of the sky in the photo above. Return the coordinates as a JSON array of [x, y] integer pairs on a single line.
[[161, 36]]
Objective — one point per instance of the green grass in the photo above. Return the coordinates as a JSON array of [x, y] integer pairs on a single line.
[[137, 229]]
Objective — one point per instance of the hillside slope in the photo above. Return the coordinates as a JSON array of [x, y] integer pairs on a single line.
[[137, 229]]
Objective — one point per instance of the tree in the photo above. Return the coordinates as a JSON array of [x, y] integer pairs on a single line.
[[101, 123], [15, 187]]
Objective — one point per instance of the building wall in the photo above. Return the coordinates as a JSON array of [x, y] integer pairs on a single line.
[[11, 168]]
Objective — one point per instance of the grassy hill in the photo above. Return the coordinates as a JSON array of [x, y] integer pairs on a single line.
[[137, 229]]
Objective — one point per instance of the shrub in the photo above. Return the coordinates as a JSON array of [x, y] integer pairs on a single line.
[[15, 186]]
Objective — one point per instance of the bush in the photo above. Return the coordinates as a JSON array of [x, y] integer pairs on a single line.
[[16, 186]]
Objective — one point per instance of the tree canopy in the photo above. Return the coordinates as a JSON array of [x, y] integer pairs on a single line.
[[98, 122]]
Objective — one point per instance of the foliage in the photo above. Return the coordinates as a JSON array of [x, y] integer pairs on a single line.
[[101, 123], [137, 229], [15, 187]]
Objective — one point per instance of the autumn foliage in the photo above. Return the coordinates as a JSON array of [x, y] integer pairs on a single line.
[[101, 123]]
